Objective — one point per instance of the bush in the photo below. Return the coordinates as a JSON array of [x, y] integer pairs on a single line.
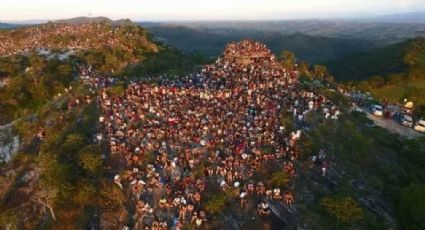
[[287, 121], [279, 179], [91, 159], [116, 90], [411, 210], [110, 196], [216, 203], [345, 210], [8, 220]]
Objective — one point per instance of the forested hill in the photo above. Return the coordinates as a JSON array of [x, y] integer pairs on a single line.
[[393, 73], [396, 58], [307, 47]]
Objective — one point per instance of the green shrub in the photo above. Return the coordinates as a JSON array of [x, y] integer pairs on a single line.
[[411, 210], [8, 220], [287, 121], [91, 159], [216, 203], [345, 210], [279, 179]]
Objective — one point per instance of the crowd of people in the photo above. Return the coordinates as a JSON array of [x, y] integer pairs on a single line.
[[56, 36], [175, 140], [247, 48]]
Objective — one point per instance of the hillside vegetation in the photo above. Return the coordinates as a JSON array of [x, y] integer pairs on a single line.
[[394, 73], [371, 166]]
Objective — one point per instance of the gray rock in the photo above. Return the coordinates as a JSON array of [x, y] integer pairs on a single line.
[[9, 143]]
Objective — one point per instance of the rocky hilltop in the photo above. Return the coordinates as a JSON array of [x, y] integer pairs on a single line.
[[76, 34], [88, 20]]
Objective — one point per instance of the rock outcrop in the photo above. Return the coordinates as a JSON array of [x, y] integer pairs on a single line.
[[9, 143]]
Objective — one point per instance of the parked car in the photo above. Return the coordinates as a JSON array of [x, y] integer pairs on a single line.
[[358, 110], [377, 110], [406, 120], [420, 126]]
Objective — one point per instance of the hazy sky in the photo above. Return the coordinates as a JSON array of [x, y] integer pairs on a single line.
[[202, 9]]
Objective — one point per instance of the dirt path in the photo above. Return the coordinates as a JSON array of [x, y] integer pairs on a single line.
[[391, 125]]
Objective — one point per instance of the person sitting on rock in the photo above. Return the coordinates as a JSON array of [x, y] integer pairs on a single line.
[[289, 199], [276, 194]]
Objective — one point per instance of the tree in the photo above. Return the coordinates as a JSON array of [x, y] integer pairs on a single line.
[[376, 81], [288, 59], [411, 209], [320, 71], [345, 210], [46, 197], [91, 159], [279, 179], [116, 90], [420, 111], [37, 62], [303, 69], [287, 122], [95, 59], [395, 79], [54, 179], [110, 196], [64, 71], [85, 194], [8, 219], [217, 203], [73, 142]]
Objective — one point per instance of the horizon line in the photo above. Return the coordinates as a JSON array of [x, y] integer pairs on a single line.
[[351, 17]]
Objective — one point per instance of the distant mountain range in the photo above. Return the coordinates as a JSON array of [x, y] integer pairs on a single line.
[[387, 33], [7, 25], [210, 42], [412, 17], [417, 17]]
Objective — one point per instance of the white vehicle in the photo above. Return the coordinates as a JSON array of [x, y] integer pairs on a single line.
[[420, 126], [377, 110], [406, 120], [358, 110]]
